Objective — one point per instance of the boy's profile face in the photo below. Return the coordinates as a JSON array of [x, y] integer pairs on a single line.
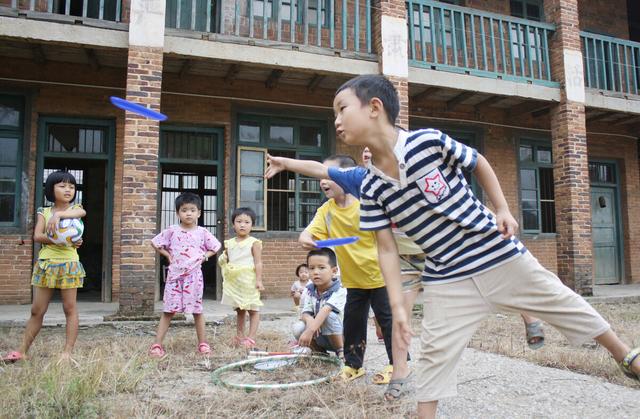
[[353, 118], [321, 271], [329, 187]]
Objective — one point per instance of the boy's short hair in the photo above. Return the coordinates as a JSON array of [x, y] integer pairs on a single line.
[[324, 251], [368, 86], [60, 176], [243, 210], [302, 265], [188, 198], [344, 161]]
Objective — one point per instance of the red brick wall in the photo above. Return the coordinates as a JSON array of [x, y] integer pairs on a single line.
[[608, 17]]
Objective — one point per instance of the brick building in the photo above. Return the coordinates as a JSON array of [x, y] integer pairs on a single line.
[[546, 90]]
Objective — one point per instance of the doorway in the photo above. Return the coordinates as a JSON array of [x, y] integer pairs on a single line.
[[605, 231], [83, 148], [190, 162]]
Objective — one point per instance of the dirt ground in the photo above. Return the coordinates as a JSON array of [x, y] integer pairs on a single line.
[[113, 377]]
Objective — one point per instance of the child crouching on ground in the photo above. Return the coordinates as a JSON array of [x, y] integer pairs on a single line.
[[322, 315]]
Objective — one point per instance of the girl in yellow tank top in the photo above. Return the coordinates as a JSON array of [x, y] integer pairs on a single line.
[[58, 265]]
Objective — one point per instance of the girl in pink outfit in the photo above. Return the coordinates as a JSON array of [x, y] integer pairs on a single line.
[[186, 246]]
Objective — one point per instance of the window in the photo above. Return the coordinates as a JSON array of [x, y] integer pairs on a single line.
[[440, 17], [288, 201], [536, 187], [11, 133], [602, 173], [527, 9], [271, 10]]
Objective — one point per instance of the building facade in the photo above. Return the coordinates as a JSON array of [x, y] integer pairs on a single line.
[[546, 90]]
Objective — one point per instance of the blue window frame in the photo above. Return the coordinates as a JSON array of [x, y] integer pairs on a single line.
[[537, 203], [11, 138]]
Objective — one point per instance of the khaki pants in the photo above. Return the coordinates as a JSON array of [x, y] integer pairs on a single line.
[[453, 311]]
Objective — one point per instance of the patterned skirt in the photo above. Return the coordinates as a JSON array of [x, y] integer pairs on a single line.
[[54, 274]]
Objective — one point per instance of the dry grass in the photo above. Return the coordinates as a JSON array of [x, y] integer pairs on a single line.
[[505, 335], [115, 378]]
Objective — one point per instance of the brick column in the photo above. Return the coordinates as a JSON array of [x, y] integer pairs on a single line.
[[390, 42], [140, 160], [569, 137]]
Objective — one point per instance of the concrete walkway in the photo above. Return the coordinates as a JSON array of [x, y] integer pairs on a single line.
[[92, 313]]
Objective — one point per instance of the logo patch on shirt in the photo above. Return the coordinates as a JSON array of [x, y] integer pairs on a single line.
[[434, 186]]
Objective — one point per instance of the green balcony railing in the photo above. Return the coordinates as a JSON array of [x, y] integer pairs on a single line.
[[334, 24], [611, 63], [107, 10], [464, 40]]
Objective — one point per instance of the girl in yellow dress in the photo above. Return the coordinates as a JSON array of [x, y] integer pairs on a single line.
[[241, 264], [58, 265]]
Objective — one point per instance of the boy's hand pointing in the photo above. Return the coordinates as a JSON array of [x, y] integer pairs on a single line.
[[275, 165]]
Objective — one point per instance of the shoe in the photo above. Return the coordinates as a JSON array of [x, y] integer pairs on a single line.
[[204, 348], [349, 373], [625, 365], [157, 351], [535, 335], [396, 388], [13, 356], [384, 376]]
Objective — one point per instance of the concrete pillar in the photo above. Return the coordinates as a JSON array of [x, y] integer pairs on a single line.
[[569, 137], [390, 41], [140, 160]]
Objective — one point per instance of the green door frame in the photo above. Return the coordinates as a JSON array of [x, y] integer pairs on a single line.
[[618, 214], [109, 157], [219, 163]]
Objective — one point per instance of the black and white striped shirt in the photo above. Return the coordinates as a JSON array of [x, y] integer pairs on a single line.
[[433, 204]]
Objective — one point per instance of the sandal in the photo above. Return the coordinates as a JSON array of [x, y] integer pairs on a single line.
[[248, 343], [396, 388], [349, 373], [384, 376], [157, 351], [625, 365], [535, 335], [12, 357], [204, 348]]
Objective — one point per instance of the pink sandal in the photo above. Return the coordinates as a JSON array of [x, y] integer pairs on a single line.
[[204, 348], [13, 356], [157, 351]]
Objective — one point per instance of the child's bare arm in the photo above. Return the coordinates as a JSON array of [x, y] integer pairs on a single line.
[[72, 212], [313, 325], [389, 262], [507, 225], [163, 252], [306, 239], [256, 250], [310, 168], [39, 235]]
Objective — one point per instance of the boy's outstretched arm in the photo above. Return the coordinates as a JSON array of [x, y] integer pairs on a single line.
[[507, 225], [389, 262], [310, 168]]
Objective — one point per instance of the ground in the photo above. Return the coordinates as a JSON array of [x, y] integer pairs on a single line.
[[115, 378]]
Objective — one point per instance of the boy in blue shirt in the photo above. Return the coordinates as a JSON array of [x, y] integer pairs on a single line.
[[474, 263]]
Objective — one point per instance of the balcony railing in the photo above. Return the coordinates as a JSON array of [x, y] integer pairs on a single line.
[[104, 10], [610, 63], [460, 39], [339, 24]]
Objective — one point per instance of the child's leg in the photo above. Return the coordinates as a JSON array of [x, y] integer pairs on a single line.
[[296, 298], [382, 310], [254, 321], [165, 321], [240, 321], [38, 309], [400, 363], [356, 313], [71, 313], [198, 319]]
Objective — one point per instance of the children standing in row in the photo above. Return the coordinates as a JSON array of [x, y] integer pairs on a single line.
[[186, 246], [57, 267], [241, 264]]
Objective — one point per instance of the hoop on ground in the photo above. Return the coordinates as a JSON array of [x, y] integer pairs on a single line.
[[248, 365]]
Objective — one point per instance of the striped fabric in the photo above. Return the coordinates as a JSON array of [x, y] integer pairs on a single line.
[[433, 204]]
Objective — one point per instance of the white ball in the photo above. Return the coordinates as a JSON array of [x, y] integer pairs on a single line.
[[68, 232]]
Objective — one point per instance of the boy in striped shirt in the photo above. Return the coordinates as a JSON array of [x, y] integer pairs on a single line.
[[474, 264]]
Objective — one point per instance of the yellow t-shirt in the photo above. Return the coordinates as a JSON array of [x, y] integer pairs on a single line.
[[54, 251], [358, 261]]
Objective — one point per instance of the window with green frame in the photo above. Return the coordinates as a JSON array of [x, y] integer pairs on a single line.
[[537, 201], [298, 10], [11, 134], [447, 18], [527, 9], [288, 201]]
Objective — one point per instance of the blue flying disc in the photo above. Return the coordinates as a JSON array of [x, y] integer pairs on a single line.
[[337, 242], [137, 108]]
